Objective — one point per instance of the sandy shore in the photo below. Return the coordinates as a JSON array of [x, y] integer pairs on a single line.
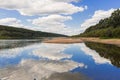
[[64, 40], [105, 41], [79, 40]]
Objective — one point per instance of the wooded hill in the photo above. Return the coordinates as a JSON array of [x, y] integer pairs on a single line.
[[8, 32], [107, 28]]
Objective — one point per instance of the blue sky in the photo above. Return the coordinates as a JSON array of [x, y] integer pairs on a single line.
[[58, 16]]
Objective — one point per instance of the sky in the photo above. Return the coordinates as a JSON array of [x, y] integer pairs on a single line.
[[69, 17]]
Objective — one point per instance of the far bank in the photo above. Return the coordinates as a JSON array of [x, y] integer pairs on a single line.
[[64, 40]]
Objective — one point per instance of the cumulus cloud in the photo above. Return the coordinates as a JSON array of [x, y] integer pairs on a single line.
[[66, 0], [52, 51], [98, 15], [55, 24], [11, 22], [51, 20], [41, 7], [49, 11], [59, 29], [95, 56], [40, 70], [52, 23]]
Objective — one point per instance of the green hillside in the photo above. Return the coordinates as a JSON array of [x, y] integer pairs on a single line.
[[7, 32], [108, 28]]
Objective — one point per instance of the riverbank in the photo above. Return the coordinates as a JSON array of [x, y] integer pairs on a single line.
[[105, 41], [82, 39], [63, 40]]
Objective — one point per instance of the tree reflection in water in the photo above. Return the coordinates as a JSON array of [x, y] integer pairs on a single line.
[[110, 52]]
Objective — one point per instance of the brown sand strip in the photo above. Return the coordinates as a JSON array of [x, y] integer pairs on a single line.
[[63, 40], [105, 41], [80, 40]]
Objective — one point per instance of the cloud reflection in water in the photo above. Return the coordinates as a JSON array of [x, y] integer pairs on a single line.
[[42, 69], [95, 56], [30, 69], [52, 51]]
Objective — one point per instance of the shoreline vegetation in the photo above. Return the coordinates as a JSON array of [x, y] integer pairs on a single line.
[[107, 31], [9, 32], [106, 28], [64, 40]]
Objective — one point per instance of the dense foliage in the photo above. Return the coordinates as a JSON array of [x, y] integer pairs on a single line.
[[7, 32], [109, 27]]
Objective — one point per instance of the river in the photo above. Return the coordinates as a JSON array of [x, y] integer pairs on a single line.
[[34, 60]]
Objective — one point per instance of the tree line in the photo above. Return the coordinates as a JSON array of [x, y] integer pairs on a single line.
[[108, 28]]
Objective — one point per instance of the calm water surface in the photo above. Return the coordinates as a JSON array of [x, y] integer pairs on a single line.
[[34, 60]]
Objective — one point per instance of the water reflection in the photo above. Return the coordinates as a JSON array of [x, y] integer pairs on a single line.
[[14, 49], [95, 56], [34, 60], [67, 76], [8, 44], [39, 69], [52, 51], [110, 52]]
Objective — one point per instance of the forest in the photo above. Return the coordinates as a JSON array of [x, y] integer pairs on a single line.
[[8, 32], [106, 28]]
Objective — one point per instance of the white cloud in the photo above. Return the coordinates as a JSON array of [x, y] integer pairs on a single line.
[[14, 22], [49, 11], [66, 0], [54, 24], [41, 69], [51, 20], [41, 7], [98, 15], [11, 22], [86, 7]]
